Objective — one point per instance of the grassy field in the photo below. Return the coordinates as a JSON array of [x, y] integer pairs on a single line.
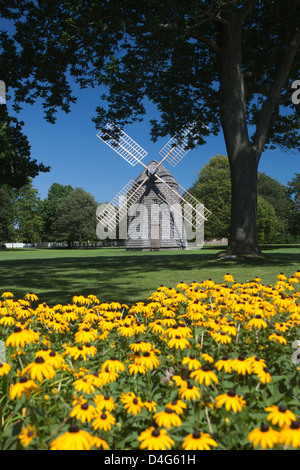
[[55, 275]]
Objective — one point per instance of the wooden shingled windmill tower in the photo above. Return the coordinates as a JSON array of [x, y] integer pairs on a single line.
[[158, 209]]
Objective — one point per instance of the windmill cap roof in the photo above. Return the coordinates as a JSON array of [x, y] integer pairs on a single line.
[[162, 172]]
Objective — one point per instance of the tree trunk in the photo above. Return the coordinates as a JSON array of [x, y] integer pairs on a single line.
[[243, 157], [243, 227]]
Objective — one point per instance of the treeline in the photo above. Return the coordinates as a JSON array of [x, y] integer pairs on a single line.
[[66, 215], [278, 211]]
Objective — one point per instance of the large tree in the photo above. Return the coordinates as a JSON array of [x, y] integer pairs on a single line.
[[228, 64], [75, 217]]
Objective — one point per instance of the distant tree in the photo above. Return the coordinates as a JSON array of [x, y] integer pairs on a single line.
[[76, 217], [212, 188], [56, 194], [293, 190], [6, 215], [28, 215], [270, 228]]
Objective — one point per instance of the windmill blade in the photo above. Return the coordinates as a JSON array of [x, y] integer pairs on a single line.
[[174, 150], [186, 205], [121, 143], [116, 210]]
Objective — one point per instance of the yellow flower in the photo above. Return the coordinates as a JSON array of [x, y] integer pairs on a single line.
[[155, 439], [191, 362], [280, 415], [221, 338], [83, 412], [4, 369], [104, 421], [31, 297], [179, 342], [39, 370], [28, 433], [23, 387], [205, 374], [167, 418], [113, 365], [228, 278], [241, 365], [100, 443], [104, 402], [264, 436], [277, 338], [189, 392], [73, 439], [19, 337], [198, 441], [132, 403], [224, 363], [231, 400], [290, 435]]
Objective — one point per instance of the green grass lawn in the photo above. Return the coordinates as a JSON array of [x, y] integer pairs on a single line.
[[55, 275]]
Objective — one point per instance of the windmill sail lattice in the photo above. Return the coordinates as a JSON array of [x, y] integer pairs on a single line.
[[194, 213]]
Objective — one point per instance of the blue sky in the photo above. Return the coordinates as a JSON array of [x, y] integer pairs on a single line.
[[79, 158]]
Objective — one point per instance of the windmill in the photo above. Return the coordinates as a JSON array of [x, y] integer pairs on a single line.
[[155, 190]]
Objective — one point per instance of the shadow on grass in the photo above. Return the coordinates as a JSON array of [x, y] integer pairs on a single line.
[[118, 276]]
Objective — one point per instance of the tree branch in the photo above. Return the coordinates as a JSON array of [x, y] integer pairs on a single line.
[[273, 99], [245, 10]]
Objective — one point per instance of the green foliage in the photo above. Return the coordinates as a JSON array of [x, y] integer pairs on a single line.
[[16, 165], [76, 217], [56, 194], [275, 209], [28, 215], [6, 214]]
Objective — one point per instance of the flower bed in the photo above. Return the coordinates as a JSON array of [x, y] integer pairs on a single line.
[[197, 366]]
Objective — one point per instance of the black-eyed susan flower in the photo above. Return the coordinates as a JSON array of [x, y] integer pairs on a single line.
[[28, 433], [141, 346], [148, 359], [178, 406], [264, 375], [74, 439], [7, 320], [204, 375], [280, 415], [189, 391], [191, 362], [113, 365], [224, 364], [136, 368], [23, 387], [150, 405], [290, 435], [155, 439], [277, 338], [86, 335], [83, 412], [198, 441], [104, 402], [39, 370], [179, 342], [82, 384], [257, 322], [228, 278], [132, 403], [231, 400], [264, 436], [31, 297], [100, 443], [7, 295], [241, 365], [104, 421], [221, 337], [107, 376], [19, 338], [126, 330], [4, 369], [167, 418]]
